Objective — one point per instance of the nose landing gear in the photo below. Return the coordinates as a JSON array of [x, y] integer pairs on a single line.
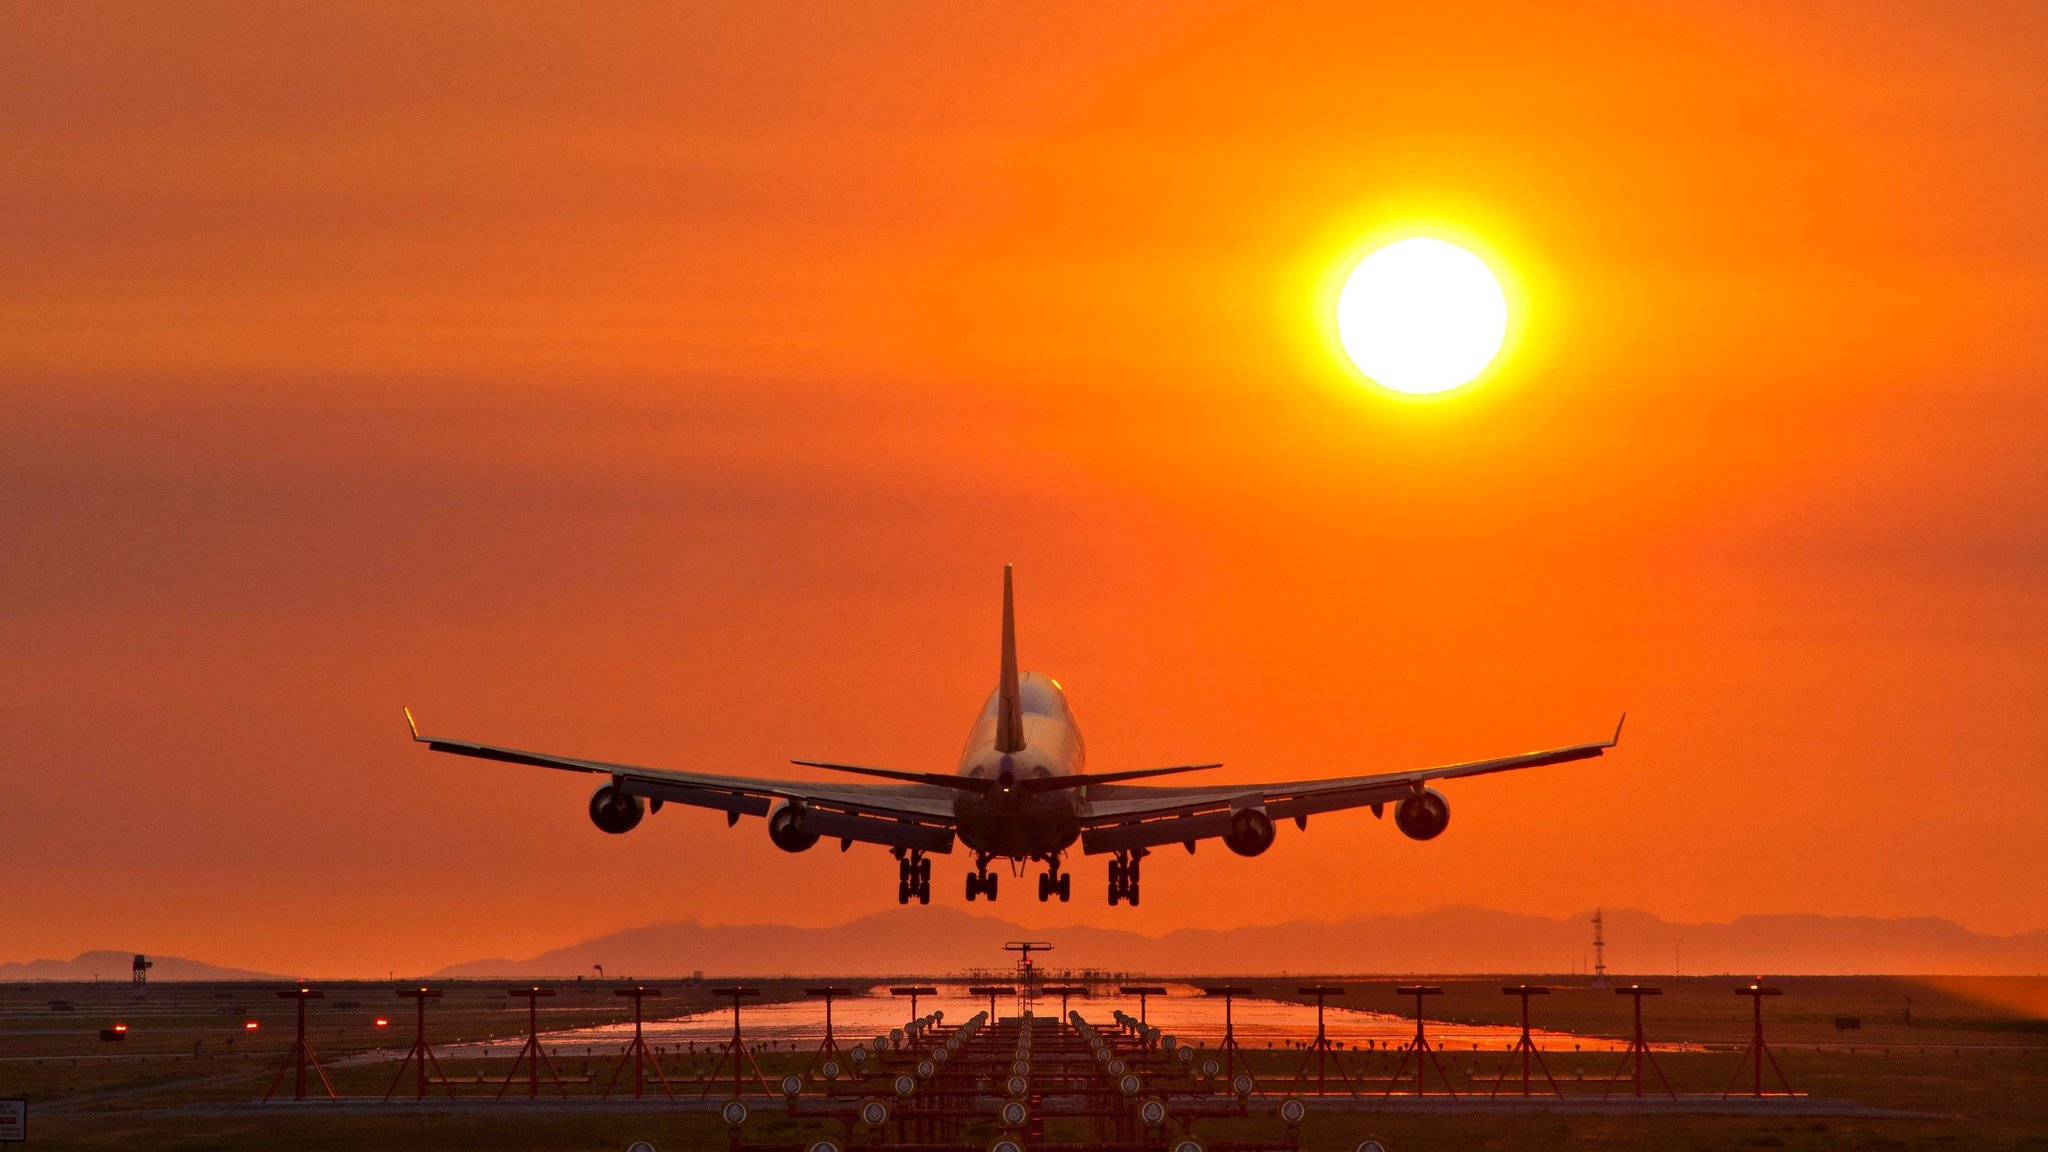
[[1054, 881], [1123, 877], [981, 881], [913, 876]]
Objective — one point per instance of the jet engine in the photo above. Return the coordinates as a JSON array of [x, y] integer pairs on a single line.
[[786, 829], [1251, 832], [614, 811], [1423, 816]]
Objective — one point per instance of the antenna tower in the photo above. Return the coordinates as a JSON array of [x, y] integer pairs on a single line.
[[1599, 952]]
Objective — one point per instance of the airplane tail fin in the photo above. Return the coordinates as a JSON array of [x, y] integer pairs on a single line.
[[1010, 711]]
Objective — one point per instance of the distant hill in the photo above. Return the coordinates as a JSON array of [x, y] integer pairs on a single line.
[[1448, 940], [116, 967], [933, 941]]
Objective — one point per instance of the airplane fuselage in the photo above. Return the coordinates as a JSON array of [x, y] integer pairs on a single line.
[[1009, 819]]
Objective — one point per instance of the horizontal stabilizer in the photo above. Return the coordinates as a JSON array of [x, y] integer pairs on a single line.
[[1084, 779], [934, 779]]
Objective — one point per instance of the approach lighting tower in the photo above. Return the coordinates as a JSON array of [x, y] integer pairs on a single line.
[[637, 1053], [1027, 974], [1232, 1053], [1757, 1052], [1143, 993], [1419, 1048], [531, 1053], [992, 991], [1638, 1052], [914, 991], [420, 1051], [1526, 1046], [1064, 992], [736, 1049], [828, 1053], [301, 1053], [1322, 1053]]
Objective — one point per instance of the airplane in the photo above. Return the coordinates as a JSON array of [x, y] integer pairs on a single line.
[[1020, 793]]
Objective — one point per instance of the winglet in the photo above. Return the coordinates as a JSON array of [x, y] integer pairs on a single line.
[[410, 724], [1616, 738]]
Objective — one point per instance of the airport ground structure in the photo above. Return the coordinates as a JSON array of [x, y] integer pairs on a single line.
[[1886, 1062]]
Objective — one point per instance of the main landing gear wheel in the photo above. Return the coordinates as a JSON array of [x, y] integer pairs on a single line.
[[981, 881], [1123, 879], [913, 877], [1055, 881]]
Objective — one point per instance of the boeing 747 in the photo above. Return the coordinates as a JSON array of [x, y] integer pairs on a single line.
[[1020, 793]]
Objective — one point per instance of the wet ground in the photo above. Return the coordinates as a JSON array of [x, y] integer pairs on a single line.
[[1185, 1013]]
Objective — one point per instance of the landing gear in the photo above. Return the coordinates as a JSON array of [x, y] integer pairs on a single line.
[[981, 881], [1123, 877], [1055, 881], [913, 876]]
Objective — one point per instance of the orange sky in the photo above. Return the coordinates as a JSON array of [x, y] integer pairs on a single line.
[[669, 384]]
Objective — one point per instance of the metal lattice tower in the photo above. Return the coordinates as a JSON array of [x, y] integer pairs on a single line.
[[1027, 973], [1599, 951]]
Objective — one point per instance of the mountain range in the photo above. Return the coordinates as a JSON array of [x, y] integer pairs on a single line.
[[107, 964], [936, 941], [932, 941]]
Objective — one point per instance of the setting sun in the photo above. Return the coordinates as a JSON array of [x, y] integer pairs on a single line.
[[1422, 316]]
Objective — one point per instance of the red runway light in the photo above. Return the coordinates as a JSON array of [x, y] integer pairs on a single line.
[[383, 1022], [120, 1027], [251, 1026]]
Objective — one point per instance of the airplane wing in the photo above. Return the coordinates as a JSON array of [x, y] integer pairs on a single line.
[[1124, 817], [916, 816]]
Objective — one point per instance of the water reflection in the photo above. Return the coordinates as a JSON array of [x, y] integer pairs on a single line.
[[1193, 1018]]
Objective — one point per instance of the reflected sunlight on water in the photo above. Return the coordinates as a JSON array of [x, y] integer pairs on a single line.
[[1185, 1013]]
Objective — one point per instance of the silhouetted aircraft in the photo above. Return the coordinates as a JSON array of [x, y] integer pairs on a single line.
[[1020, 793]]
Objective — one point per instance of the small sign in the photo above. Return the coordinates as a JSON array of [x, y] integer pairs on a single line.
[[13, 1121]]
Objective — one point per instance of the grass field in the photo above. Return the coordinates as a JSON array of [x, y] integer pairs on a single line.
[[1973, 1060]]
